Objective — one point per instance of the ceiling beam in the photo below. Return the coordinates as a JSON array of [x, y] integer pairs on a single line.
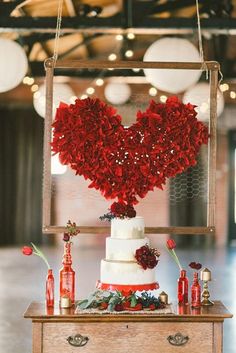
[[70, 7], [117, 24]]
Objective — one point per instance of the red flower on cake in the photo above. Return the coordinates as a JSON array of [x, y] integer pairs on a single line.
[[147, 257], [126, 163], [121, 210]]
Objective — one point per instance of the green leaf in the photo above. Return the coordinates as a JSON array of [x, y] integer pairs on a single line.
[[83, 304], [111, 306], [133, 301], [114, 300]]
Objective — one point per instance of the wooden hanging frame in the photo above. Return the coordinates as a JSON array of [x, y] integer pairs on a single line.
[[213, 68]]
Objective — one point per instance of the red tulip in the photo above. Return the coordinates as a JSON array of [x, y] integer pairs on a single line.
[[171, 244], [27, 250]]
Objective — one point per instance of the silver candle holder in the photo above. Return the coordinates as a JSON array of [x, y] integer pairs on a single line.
[[206, 277]]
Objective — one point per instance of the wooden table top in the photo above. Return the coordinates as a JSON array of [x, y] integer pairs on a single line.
[[218, 312]]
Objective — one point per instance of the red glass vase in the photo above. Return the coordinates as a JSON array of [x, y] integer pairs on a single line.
[[183, 288], [195, 292], [50, 289], [67, 275]]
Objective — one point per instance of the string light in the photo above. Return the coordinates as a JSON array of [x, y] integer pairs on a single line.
[[34, 88], [28, 80], [99, 82], [119, 37], [232, 94], [163, 98], [112, 57], [131, 36], [83, 96], [129, 53], [224, 87], [90, 90], [152, 91]]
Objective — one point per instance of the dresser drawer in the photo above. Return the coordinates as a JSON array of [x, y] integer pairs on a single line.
[[130, 337]]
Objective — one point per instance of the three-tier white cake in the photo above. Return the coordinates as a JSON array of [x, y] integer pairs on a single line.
[[120, 266]]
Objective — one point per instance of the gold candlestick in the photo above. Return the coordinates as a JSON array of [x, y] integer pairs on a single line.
[[206, 277]]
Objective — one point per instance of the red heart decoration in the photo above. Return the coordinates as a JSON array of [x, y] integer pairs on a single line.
[[126, 163]]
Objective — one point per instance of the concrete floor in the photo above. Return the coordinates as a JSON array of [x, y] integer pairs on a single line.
[[22, 280]]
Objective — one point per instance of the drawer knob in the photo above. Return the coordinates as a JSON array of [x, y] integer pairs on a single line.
[[178, 339], [77, 340]]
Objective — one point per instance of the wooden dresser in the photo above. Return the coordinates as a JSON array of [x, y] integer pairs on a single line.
[[185, 331]]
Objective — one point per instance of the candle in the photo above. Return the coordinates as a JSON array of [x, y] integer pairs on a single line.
[[206, 275], [65, 302], [163, 298]]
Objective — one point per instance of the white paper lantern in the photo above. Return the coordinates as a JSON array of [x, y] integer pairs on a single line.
[[199, 95], [13, 64], [61, 93], [117, 93], [172, 49], [56, 167]]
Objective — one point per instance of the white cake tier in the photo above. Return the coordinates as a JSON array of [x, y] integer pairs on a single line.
[[123, 249], [127, 228], [115, 272]]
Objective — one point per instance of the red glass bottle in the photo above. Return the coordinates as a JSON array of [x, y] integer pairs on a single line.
[[50, 289], [195, 292], [67, 275], [183, 288]]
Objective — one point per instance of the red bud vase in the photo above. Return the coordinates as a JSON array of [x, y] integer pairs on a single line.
[[50, 289], [67, 275], [195, 292], [183, 288]]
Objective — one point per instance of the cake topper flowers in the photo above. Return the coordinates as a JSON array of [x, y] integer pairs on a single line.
[[119, 210], [126, 163]]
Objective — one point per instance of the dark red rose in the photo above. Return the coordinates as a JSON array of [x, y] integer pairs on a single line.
[[152, 306], [119, 307], [131, 213], [171, 244], [147, 257], [27, 250]]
